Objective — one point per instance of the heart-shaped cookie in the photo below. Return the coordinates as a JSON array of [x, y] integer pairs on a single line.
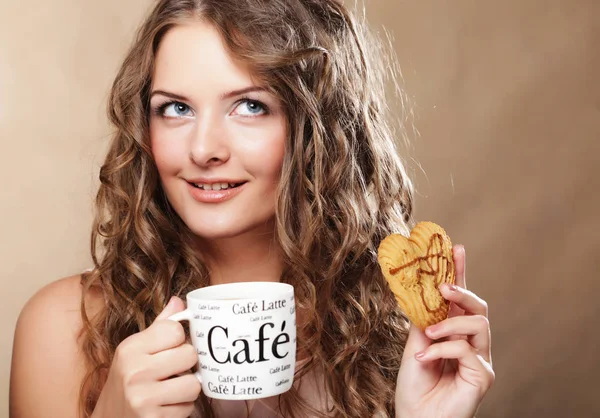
[[414, 267]]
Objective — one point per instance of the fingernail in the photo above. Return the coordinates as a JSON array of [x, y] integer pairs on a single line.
[[452, 288], [420, 355], [170, 302]]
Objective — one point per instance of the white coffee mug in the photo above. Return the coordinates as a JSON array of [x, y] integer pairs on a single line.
[[245, 337]]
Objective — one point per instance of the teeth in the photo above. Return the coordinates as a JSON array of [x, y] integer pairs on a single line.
[[215, 186]]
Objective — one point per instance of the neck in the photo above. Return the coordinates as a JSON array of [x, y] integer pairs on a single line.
[[251, 257]]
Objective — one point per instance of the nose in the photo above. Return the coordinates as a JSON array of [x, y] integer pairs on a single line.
[[209, 145]]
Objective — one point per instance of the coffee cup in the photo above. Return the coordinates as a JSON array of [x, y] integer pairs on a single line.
[[245, 337]]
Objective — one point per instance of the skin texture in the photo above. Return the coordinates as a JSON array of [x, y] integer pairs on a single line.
[[207, 133], [50, 319], [211, 134], [447, 370], [141, 383], [215, 135]]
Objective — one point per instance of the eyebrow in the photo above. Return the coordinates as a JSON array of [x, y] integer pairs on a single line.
[[222, 96]]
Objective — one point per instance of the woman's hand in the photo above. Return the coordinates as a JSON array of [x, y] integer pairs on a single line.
[[447, 370], [140, 382]]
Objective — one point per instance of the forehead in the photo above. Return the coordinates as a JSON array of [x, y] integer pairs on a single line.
[[194, 54]]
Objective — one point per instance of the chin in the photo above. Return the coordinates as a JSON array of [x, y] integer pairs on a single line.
[[227, 231], [216, 234]]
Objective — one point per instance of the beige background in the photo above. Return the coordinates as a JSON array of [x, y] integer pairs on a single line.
[[507, 103]]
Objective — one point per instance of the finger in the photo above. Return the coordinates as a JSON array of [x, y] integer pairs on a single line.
[[162, 335], [175, 305], [172, 361], [459, 256], [464, 299], [472, 367], [460, 350], [177, 390], [417, 341], [476, 327]]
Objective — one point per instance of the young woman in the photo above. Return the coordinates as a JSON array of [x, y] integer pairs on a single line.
[[250, 145]]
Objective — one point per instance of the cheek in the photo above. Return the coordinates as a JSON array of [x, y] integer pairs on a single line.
[[265, 155], [167, 154], [273, 159]]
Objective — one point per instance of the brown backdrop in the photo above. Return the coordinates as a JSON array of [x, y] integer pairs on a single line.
[[507, 105]]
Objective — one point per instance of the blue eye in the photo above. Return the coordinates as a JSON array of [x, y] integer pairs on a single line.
[[247, 107], [174, 110]]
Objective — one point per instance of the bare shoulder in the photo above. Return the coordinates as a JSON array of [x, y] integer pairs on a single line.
[[47, 363], [57, 304]]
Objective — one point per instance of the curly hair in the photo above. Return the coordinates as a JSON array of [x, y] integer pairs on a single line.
[[343, 189]]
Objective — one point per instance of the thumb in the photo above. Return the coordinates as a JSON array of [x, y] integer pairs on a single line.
[[175, 305]]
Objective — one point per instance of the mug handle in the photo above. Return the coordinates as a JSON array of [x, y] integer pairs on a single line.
[[185, 315]]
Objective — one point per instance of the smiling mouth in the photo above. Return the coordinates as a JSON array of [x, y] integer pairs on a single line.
[[216, 186]]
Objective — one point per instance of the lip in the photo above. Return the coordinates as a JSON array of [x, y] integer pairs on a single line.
[[213, 196]]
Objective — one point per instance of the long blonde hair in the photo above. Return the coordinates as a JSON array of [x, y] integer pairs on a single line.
[[343, 189]]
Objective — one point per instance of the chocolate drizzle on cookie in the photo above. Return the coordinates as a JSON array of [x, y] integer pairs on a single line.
[[431, 270], [415, 267]]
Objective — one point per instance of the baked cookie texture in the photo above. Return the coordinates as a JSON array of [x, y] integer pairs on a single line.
[[415, 267]]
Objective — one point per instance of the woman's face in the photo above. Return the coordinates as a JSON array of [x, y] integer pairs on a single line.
[[216, 136]]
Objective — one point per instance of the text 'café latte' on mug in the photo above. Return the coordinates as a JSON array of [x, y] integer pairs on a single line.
[[245, 337]]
